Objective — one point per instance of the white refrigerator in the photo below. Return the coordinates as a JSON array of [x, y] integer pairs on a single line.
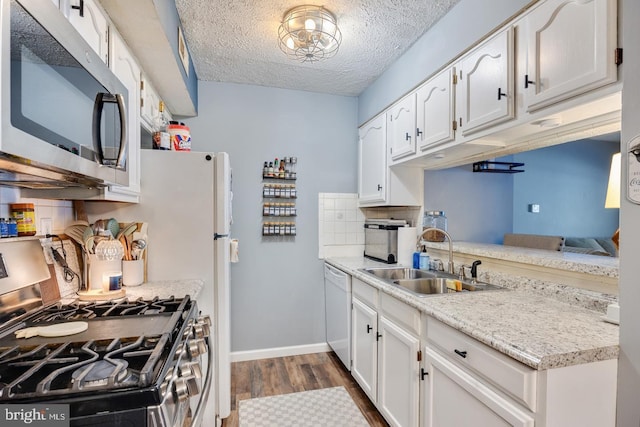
[[186, 200]]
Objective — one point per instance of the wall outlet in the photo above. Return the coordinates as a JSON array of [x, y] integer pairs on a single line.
[[46, 227], [534, 208]]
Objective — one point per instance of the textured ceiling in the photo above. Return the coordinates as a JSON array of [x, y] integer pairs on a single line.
[[237, 41]]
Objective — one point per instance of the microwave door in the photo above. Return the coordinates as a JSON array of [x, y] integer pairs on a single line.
[[54, 80]]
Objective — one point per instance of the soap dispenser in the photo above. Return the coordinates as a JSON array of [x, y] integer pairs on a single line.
[[424, 259]]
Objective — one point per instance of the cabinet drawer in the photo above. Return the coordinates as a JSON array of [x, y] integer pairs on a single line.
[[514, 378], [365, 293], [404, 315]]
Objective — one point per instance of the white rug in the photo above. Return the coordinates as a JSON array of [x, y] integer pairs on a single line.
[[327, 407]]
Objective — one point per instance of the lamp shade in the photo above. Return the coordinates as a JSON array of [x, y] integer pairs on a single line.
[[613, 189]]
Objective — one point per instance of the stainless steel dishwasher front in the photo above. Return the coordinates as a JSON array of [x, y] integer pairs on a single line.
[[337, 291]]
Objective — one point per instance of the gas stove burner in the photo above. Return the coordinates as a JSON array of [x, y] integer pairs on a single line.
[[97, 374]]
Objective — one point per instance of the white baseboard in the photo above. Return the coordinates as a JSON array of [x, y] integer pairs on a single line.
[[267, 353]]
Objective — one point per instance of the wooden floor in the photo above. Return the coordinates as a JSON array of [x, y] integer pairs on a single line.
[[270, 377]]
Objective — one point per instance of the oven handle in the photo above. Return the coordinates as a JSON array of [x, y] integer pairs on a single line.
[[197, 417]]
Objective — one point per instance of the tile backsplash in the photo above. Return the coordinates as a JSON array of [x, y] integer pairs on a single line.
[[340, 225], [60, 211]]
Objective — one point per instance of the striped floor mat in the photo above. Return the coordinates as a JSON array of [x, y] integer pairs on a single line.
[[328, 407]]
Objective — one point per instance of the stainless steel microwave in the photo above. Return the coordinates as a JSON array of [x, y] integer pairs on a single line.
[[62, 110]]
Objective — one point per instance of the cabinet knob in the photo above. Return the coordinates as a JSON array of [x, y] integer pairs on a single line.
[[379, 187], [378, 336], [369, 329], [418, 132], [80, 8], [407, 137], [527, 82], [460, 353], [423, 373], [501, 94]]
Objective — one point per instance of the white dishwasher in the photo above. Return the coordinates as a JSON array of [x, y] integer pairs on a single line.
[[337, 295]]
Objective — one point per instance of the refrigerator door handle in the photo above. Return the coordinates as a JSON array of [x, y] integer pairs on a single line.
[[217, 236]]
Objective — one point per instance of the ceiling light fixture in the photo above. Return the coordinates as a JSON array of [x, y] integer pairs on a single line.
[[309, 34]]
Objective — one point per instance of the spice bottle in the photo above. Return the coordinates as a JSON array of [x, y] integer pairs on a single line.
[[25, 216], [12, 227], [4, 228]]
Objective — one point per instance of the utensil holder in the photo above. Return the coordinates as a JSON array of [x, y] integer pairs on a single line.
[[133, 272]]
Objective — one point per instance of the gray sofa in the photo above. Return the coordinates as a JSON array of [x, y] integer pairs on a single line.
[[602, 246]]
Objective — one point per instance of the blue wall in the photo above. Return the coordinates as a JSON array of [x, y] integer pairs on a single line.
[[569, 182], [478, 206], [277, 289]]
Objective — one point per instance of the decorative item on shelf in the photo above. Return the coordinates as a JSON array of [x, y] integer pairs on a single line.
[[309, 34], [497, 167]]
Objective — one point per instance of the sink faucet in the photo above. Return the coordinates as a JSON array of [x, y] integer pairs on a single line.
[[425, 231]]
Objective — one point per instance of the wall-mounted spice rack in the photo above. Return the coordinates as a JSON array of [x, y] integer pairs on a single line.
[[278, 206]]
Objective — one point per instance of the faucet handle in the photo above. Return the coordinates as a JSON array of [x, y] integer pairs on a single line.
[[474, 270], [461, 272]]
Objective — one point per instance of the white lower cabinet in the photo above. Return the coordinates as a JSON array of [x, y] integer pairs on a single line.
[[452, 397], [364, 366], [398, 380], [467, 383], [386, 354]]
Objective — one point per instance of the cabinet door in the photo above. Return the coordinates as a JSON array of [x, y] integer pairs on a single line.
[[435, 114], [401, 127], [125, 67], [398, 383], [570, 49], [452, 397], [364, 347], [149, 105], [372, 183], [485, 87], [92, 25]]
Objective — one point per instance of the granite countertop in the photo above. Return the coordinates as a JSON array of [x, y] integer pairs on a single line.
[[540, 332], [161, 289], [581, 263]]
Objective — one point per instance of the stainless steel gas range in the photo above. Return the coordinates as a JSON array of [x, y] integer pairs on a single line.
[[138, 363]]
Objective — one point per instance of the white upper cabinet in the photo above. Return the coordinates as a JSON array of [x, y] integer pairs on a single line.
[[372, 146], [570, 50], [149, 105], [379, 184], [126, 68], [401, 127], [435, 110], [87, 17], [485, 93]]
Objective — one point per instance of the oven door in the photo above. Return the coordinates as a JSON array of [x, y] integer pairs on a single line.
[[61, 105]]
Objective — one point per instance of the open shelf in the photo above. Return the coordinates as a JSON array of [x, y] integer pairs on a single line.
[[497, 167]]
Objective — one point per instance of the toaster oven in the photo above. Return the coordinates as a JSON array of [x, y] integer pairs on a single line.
[[381, 239]]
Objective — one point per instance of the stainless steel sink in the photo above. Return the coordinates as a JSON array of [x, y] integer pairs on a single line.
[[397, 273], [430, 286], [424, 283]]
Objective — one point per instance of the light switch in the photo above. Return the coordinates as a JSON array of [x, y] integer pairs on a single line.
[[534, 208]]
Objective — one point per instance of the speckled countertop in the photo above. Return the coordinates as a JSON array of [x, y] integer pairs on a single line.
[[161, 289], [538, 331], [589, 264]]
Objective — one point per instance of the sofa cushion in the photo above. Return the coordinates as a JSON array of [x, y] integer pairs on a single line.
[[534, 241]]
